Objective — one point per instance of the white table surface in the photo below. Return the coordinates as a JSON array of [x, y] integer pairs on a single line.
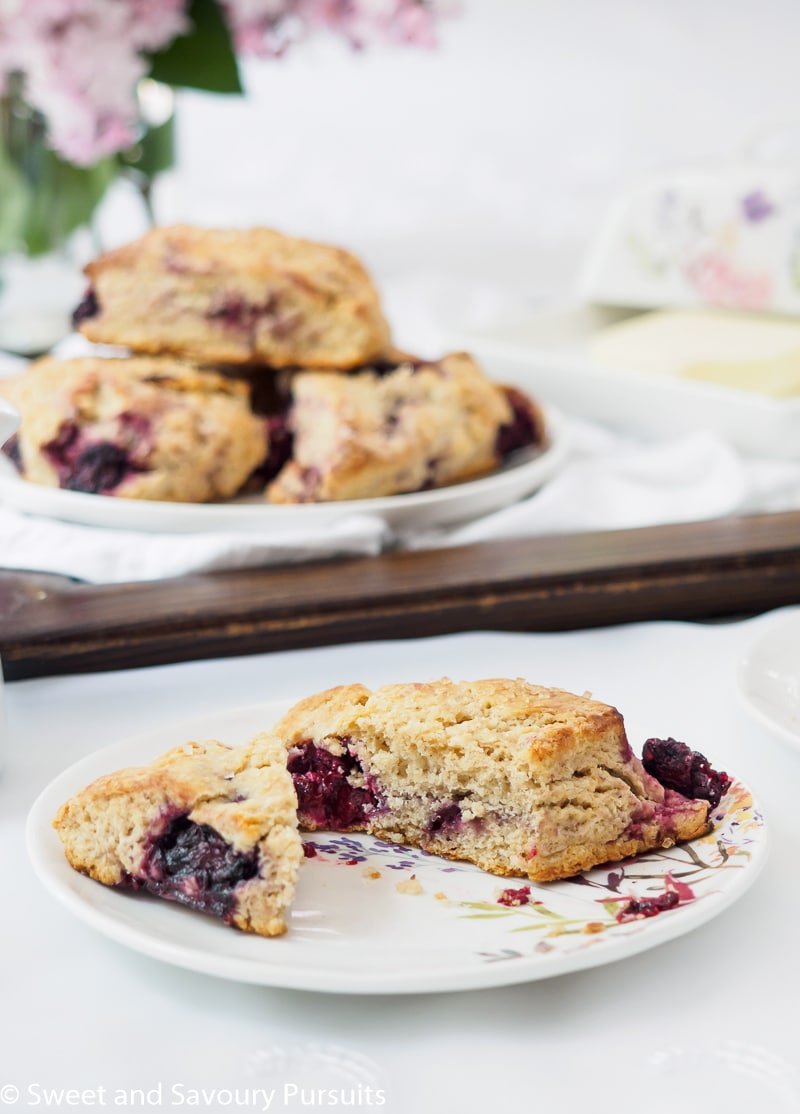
[[707, 1022]]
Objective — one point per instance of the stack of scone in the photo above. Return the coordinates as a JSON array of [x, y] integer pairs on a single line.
[[258, 362]]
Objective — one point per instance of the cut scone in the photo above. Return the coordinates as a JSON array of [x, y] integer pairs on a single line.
[[520, 780], [230, 296], [205, 825], [400, 425]]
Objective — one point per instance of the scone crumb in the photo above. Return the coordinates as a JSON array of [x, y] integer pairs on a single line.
[[440, 896], [369, 873], [593, 927], [409, 886]]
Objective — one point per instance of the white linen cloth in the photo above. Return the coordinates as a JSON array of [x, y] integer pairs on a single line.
[[117, 556]]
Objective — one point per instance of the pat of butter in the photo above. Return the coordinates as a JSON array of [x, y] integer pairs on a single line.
[[743, 351]]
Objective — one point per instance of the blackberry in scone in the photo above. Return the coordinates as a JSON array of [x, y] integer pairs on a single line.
[[140, 428], [232, 296], [518, 779], [401, 425], [205, 825]]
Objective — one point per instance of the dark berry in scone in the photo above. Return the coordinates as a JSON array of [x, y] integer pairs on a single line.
[[140, 428], [205, 825], [519, 779], [233, 296], [401, 426]]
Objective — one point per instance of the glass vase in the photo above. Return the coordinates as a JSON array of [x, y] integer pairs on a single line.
[[48, 209]]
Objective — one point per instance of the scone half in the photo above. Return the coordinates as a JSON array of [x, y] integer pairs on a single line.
[[204, 825], [518, 779]]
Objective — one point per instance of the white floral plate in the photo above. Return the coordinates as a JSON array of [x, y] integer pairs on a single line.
[[769, 678], [353, 931], [523, 473]]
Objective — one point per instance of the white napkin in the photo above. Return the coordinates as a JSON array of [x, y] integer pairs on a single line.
[[116, 556], [614, 482]]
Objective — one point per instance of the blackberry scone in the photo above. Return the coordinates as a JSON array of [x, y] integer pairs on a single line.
[[235, 297], [517, 779], [204, 825], [140, 428], [398, 427]]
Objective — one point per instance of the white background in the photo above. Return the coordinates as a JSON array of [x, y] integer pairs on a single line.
[[492, 160]]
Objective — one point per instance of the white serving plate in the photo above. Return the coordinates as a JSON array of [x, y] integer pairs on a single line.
[[351, 933], [548, 354], [521, 475], [768, 678]]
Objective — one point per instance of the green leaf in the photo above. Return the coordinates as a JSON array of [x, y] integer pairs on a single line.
[[204, 58], [544, 912], [483, 916]]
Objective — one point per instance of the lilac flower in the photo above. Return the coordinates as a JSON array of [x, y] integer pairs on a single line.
[[81, 59], [269, 27], [756, 206]]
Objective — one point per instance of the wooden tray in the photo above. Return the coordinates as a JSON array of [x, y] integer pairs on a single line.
[[699, 570]]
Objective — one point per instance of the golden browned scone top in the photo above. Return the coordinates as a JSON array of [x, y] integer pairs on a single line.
[[206, 778], [236, 296], [52, 375], [510, 720], [206, 251]]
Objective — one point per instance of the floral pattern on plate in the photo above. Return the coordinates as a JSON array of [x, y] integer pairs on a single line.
[[578, 912]]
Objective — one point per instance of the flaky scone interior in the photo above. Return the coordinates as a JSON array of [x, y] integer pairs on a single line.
[[518, 779], [205, 825]]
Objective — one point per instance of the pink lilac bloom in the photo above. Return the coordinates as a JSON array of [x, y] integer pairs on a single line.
[[268, 27], [81, 60]]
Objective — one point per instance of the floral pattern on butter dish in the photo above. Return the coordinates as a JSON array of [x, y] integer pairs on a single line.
[[709, 239]]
